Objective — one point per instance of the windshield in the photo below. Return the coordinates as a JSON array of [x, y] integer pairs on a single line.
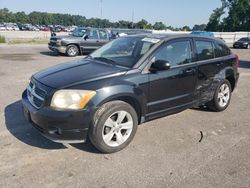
[[244, 39], [125, 51], [78, 32]]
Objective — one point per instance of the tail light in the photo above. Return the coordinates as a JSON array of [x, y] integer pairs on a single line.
[[237, 60]]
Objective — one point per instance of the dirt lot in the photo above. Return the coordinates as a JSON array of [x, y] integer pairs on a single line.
[[165, 152]]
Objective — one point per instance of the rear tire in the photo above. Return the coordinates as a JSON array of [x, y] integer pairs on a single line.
[[222, 97], [72, 50], [113, 127], [248, 46]]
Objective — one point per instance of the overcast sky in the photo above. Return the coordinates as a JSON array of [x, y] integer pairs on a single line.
[[176, 13]]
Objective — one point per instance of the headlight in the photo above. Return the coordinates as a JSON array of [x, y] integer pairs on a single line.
[[71, 99], [58, 42]]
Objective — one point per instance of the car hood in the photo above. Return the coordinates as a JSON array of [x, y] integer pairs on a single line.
[[77, 72]]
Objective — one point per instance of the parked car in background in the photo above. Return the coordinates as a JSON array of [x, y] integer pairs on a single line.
[[203, 33], [242, 43], [80, 41], [2, 27], [130, 80]]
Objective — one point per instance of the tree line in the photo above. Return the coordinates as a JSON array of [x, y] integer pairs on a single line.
[[44, 18], [233, 15]]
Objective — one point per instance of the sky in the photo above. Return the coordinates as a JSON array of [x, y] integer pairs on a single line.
[[176, 13]]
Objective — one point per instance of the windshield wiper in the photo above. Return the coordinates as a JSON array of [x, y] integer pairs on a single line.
[[104, 59]]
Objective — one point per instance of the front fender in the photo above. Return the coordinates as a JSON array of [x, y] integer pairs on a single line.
[[121, 92]]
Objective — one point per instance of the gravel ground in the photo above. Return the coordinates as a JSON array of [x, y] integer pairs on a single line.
[[165, 152]]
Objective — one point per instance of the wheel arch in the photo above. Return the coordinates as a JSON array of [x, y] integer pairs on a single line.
[[77, 45]]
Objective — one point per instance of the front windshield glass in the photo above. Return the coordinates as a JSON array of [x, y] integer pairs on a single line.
[[125, 51], [78, 32], [243, 39]]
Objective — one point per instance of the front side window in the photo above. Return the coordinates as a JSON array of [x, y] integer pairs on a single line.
[[78, 32], [176, 53], [204, 50]]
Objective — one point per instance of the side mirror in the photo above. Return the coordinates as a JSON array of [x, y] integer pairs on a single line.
[[85, 37], [160, 65]]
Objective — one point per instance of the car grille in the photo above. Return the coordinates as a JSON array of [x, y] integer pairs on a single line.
[[35, 95]]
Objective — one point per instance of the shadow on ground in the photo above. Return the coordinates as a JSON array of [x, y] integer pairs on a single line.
[[244, 64], [23, 131], [50, 53], [26, 133]]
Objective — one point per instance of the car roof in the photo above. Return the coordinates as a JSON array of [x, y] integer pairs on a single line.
[[171, 36]]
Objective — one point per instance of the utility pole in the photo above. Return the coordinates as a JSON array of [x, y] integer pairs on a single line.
[[133, 14], [101, 8]]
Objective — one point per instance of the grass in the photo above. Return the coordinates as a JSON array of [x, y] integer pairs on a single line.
[[28, 41], [2, 39]]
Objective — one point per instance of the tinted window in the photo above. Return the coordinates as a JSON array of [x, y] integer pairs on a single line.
[[244, 39], [93, 34], [78, 32], [177, 53], [204, 50], [221, 50], [103, 34]]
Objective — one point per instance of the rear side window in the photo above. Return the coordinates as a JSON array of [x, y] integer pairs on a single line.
[[221, 50], [103, 34], [177, 53], [204, 50]]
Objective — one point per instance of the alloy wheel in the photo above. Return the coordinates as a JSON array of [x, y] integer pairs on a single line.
[[117, 128], [223, 95]]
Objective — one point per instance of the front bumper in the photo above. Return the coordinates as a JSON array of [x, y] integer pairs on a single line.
[[240, 45], [60, 49], [58, 126]]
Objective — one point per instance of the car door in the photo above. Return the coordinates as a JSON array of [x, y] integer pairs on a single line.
[[173, 89], [91, 42], [103, 37], [208, 67]]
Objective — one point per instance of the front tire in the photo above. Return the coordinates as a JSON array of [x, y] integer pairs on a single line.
[[248, 46], [222, 97], [72, 50], [113, 127]]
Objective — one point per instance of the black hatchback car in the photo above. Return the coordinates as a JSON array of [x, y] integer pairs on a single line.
[[126, 82], [242, 43]]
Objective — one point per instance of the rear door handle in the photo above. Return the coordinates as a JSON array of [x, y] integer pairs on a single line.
[[219, 64], [190, 71]]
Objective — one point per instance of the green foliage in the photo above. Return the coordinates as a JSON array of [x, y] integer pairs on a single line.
[[237, 18], [186, 28], [201, 27], [159, 26], [44, 18], [2, 39]]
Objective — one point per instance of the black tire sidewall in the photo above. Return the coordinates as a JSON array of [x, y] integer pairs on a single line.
[[101, 116], [72, 46], [216, 105]]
